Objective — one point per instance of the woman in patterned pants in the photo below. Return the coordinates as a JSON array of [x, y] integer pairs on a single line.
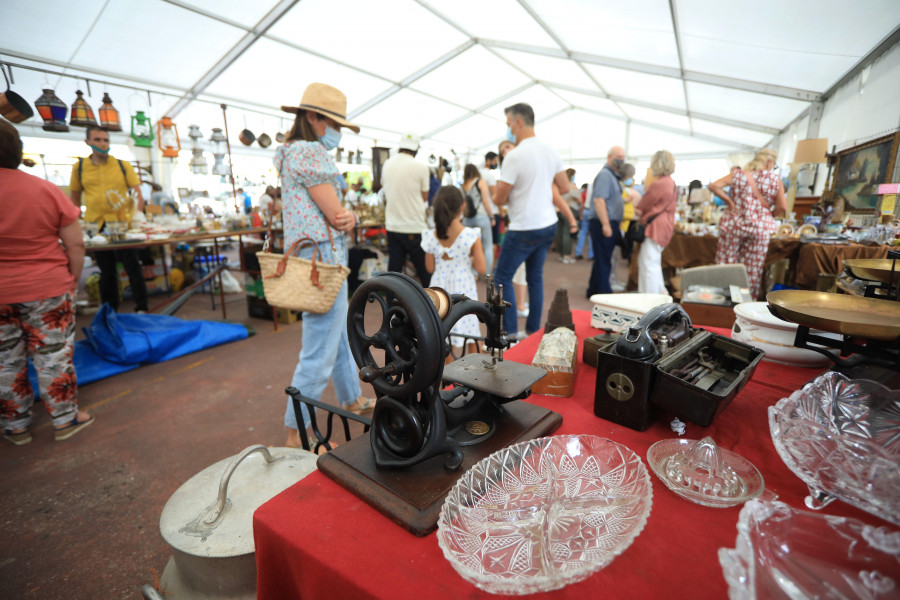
[[37, 318], [747, 224]]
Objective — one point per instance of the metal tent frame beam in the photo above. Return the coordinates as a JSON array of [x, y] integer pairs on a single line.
[[675, 111], [250, 38], [694, 76]]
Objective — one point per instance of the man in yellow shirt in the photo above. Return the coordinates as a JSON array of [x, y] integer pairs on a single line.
[[104, 182]]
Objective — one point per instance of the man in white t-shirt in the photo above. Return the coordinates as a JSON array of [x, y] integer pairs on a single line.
[[525, 187], [405, 182]]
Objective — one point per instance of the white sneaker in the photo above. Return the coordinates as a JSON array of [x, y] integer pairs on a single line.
[[522, 314]]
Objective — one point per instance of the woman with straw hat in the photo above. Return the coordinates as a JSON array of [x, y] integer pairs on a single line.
[[311, 205]]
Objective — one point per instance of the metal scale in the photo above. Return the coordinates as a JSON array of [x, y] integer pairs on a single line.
[[869, 325], [431, 421]]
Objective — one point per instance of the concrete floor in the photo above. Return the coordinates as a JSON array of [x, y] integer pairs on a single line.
[[81, 517]]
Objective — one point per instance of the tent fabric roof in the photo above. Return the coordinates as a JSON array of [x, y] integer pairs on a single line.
[[698, 77]]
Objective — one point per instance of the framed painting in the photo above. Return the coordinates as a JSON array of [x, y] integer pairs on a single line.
[[860, 169]]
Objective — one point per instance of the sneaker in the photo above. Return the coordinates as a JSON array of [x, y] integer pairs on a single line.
[[522, 314]]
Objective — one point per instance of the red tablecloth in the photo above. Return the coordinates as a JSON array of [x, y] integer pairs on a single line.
[[318, 540]]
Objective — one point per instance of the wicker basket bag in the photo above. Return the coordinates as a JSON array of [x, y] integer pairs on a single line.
[[299, 283]]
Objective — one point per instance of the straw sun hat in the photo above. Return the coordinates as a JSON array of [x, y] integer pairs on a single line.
[[325, 100]]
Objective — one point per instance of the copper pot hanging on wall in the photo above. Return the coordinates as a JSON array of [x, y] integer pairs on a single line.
[[13, 106], [247, 138], [264, 140]]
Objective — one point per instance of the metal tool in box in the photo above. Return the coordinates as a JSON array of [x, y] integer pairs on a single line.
[[664, 363]]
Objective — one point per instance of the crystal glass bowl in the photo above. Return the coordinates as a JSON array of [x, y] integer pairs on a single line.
[[704, 473], [782, 552], [541, 514], [842, 438]]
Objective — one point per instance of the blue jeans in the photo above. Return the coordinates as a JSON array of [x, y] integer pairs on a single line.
[[583, 232], [483, 223], [325, 350], [531, 248], [603, 252]]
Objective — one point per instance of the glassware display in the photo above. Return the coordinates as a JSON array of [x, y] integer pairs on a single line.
[[779, 553], [704, 473], [842, 438], [541, 514]]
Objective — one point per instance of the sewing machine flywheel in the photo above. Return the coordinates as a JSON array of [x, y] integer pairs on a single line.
[[409, 333]]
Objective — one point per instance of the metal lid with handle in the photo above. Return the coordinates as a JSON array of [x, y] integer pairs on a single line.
[[200, 521]]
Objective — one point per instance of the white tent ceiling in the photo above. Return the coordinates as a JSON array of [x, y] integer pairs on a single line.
[[701, 78]]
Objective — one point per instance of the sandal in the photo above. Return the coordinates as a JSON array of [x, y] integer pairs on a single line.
[[362, 405], [67, 431], [19, 439]]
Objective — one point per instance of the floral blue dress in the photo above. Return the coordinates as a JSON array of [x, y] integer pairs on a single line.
[[455, 275], [303, 165]]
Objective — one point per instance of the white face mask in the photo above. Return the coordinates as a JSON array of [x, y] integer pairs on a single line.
[[331, 138]]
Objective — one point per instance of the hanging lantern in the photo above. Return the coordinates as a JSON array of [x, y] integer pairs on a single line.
[[82, 113], [167, 138], [198, 162], [219, 149], [141, 130], [109, 116], [53, 111]]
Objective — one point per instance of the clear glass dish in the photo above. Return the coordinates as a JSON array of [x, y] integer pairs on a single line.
[[541, 514], [704, 473], [779, 553], [842, 438]]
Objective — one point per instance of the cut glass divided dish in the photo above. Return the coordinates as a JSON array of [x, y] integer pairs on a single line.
[[541, 514], [842, 438], [782, 552], [704, 473]]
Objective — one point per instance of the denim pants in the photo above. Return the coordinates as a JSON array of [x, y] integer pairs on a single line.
[[482, 222], [531, 248], [325, 350], [603, 254], [583, 232]]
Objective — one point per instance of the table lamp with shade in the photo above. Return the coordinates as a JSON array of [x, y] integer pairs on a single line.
[[809, 154]]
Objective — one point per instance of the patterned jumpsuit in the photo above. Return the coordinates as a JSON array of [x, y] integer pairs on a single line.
[[744, 232]]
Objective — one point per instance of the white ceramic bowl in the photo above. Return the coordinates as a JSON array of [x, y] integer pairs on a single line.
[[755, 325]]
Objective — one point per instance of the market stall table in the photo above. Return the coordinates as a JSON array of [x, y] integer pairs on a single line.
[[187, 238], [808, 259], [318, 540]]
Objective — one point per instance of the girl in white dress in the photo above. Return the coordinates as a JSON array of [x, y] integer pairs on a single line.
[[451, 252]]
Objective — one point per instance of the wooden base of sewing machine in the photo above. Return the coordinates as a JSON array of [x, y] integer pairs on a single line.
[[413, 497]]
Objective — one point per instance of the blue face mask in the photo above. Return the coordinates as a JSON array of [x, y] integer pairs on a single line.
[[629, 181], [331, 138], [99, 150], [510, 136]]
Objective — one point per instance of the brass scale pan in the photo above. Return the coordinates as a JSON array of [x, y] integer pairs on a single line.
[[872, 269], [855, 316]]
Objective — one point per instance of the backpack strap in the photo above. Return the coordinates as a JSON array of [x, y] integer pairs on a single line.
[[81, 168]]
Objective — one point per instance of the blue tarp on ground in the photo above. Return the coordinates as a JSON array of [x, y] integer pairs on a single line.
[[121, 342]]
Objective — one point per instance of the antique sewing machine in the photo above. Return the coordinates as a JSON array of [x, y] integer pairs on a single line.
[[431, 421]]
